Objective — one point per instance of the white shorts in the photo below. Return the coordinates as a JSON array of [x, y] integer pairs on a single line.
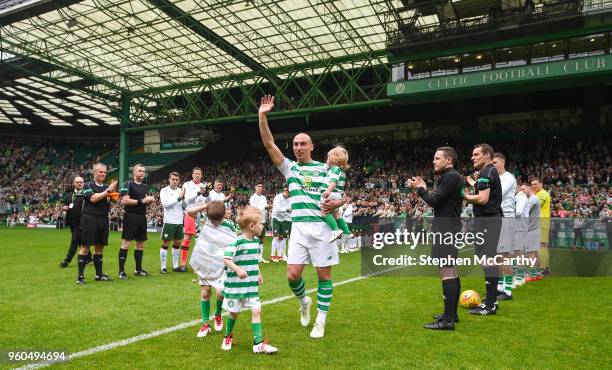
[[218, 284], [237, 305], [506, 235], [309, 243], [532, 241]]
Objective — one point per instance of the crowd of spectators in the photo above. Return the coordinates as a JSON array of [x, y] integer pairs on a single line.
[[577, 174]]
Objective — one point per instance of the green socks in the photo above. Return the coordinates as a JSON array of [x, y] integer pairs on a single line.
[[257, 333], [205, 309], [331, 222], [324, 295], [508, 284], [343, 226], [298, 287], [219, 307], [338, 224], [229, 325]]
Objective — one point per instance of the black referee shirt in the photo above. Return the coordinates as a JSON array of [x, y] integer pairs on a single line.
[[135, 191], [446, 201], [488, 178], [95, 209]]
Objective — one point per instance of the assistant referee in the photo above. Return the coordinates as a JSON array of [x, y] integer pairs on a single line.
[[134, 197], [487, 220], [446, 202]]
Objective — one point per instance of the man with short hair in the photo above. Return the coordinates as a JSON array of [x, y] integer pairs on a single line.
[[309, 242], [94, 221], [281, 224], [135, 198], [545, 200], [73, 206], [217, 192], [172, 198], [486, 199], [506, 246], [195, 193], [446, 202], [259, 201]]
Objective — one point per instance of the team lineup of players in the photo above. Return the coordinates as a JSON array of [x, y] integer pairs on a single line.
[[178, 226], [306, 212]]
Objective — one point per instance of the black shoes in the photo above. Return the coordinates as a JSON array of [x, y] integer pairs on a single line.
[[163, 271], [440, 325], [484, 310], [103, 277], [141, 273], [122, 275], [81, 280], [64, 263], [439, 317]]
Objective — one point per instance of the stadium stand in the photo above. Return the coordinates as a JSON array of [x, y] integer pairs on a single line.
[[35, 176]]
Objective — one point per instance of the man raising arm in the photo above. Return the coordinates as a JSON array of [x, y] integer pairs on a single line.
[[309, 241]]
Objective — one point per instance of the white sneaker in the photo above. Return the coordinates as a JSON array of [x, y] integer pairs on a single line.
[[226, 345], [305, 312], [335, 235], [218, 323], [263, 260], [204, 331], [264, 347], [318, 330]]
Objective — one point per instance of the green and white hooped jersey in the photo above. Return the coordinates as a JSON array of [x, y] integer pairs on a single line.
[[305, 181], [335, 174], [245, 254]]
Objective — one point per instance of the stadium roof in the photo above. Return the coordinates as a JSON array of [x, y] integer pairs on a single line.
[[173, 48], [135, 45], [177, 61]]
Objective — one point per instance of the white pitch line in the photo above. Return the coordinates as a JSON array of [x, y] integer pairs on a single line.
[[188, 324]]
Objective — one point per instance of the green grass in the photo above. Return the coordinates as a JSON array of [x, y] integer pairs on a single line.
[[373, 323]]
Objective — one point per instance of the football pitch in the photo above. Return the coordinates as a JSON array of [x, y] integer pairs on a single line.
[[374, 322]]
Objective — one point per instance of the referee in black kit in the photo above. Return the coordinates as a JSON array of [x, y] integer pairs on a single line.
[[134, 197], [446, 202], [487, 199], [73, 206]]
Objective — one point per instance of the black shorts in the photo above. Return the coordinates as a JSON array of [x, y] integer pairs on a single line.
[[94, 230], [448, 252], [491, 229], [134, 227]]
